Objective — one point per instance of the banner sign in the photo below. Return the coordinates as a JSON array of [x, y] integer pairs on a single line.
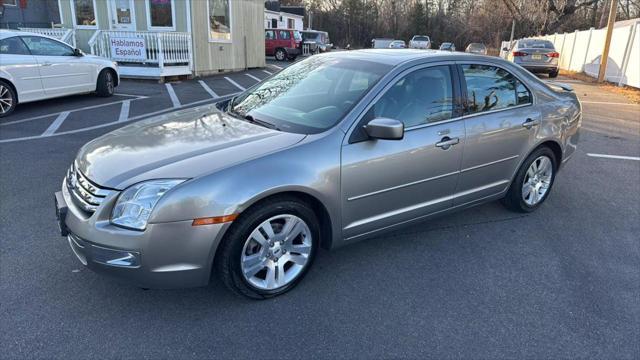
[[128, 48]]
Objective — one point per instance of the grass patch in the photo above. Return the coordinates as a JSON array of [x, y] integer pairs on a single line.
[[629, 92]]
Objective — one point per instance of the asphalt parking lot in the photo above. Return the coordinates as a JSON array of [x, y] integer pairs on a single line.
[[563, 282]]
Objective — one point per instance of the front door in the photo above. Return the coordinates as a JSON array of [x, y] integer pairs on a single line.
[[122, 15], [62, 73], [387, 182], [500, 121]]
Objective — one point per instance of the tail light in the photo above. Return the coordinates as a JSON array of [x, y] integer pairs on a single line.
[[519, 53], [553, 54]]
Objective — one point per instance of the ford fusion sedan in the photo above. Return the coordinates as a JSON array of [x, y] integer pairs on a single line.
[[334, 149], [35, 67], [536, 55]]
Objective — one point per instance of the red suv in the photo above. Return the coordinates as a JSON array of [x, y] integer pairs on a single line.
[[282, 43]]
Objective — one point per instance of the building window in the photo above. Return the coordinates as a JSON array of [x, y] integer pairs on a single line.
[[291, 24], [84, 13], [274, 23], [219, 20], [161, 14], [9, 2]]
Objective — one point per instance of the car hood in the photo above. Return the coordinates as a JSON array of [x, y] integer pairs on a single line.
[[182, 144]]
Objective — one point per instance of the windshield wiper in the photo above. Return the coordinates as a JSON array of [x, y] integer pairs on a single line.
[[261, 122]]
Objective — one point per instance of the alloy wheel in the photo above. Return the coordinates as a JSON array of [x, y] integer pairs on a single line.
[[276, 252], [6, 99], [109, 81], [537, 180]]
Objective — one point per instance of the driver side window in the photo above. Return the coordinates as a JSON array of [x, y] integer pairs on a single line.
[[421, 97], [41, 46]]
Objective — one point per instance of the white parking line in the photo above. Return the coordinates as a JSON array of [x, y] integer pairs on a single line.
[[55, 124], [267, 72], [138, 117], [621, 157], [235, 84], [72, 110], [253, 77], [208, 89], [124, 111], [275, 66], [608, 103], [172, 95]]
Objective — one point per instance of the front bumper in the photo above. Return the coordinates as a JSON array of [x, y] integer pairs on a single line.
[[165, 255], [293, 51]]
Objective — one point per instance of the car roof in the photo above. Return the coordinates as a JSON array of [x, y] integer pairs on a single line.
[[399, 56]]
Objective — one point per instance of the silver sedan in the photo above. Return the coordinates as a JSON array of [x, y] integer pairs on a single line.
[[334, 149]]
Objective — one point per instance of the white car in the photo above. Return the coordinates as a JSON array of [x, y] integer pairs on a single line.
[[36, 67], [420, 42], [397, 44]]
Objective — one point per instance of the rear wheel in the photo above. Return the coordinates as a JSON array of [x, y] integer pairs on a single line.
[[533, 182], [281, 55], [269, 249], [8, 99], [106, 84], [553, 74]]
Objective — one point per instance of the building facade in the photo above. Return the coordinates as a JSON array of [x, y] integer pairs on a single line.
[[282, 20], [158, 38], [29, 13]]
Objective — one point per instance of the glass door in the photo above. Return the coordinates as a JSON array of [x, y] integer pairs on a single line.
[[122, 15]]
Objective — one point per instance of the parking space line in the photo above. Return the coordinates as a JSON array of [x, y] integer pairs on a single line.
[[124, 111], [253, 77], [620, 157], [138, 117], [56, 124], [208, 89], [235, 84], [267, 72], [72, 110], [608, 103], [275, 66], [172, 95]]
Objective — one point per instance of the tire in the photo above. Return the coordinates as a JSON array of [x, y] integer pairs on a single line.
[[106, 83], [516, 198], [8, 99], [281, 55], [554, 74], [241, 244]]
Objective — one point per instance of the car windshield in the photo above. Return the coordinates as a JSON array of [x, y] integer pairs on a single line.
[[310, 96], [297, 35], [310, 36], [532, 44], [420, 38]]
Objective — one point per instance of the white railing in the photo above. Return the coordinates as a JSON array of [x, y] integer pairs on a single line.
[[66, 35], [162, 48]]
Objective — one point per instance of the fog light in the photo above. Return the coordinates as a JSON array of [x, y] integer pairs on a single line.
[[114, 257]]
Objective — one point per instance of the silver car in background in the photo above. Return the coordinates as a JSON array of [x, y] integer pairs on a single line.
[[420, 42], [397, 44], [447, 46], [535, 55], [334, 149], [476, 48]]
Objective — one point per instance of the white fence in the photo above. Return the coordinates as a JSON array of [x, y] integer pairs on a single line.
[[66, 35], [581, 51], [170, 51]]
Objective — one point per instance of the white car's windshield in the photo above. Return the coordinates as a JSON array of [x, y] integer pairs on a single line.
[[310, 96]]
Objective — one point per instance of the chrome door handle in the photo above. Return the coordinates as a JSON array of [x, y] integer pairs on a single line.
[[529, 123], [447, 142]]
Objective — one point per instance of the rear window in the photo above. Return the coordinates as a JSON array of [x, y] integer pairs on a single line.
[[420, 38], [297, 35], [310, 36], [532, 44]]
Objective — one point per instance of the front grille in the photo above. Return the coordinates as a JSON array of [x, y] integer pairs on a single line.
[[85, 193]]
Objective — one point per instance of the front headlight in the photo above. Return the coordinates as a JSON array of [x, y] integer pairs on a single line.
[[134, 205]]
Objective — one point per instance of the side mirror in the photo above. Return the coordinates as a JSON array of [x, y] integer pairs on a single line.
[[385, 129], [77, 52]]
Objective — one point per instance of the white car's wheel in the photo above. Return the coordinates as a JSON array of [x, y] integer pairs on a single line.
[[106, 83], [8, 99]]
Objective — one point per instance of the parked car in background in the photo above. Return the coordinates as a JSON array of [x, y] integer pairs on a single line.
[[282, 43], [447, 46], [381, 43], [535, 55], [36, 67], [318, 41], [420, 42], [397, 44], [476, 48], [250, 188]]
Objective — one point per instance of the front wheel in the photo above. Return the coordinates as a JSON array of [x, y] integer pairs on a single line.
[[281, 55], [269, 249], [106, 84], [7, 99], [533, 182]]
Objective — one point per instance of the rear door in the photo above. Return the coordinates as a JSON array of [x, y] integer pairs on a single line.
[[269, 42], [22, 69], [500, 122], [62, 72], [387, 182]]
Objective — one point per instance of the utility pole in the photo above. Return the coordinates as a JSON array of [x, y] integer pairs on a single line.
[[607, 42], [513, 29]]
